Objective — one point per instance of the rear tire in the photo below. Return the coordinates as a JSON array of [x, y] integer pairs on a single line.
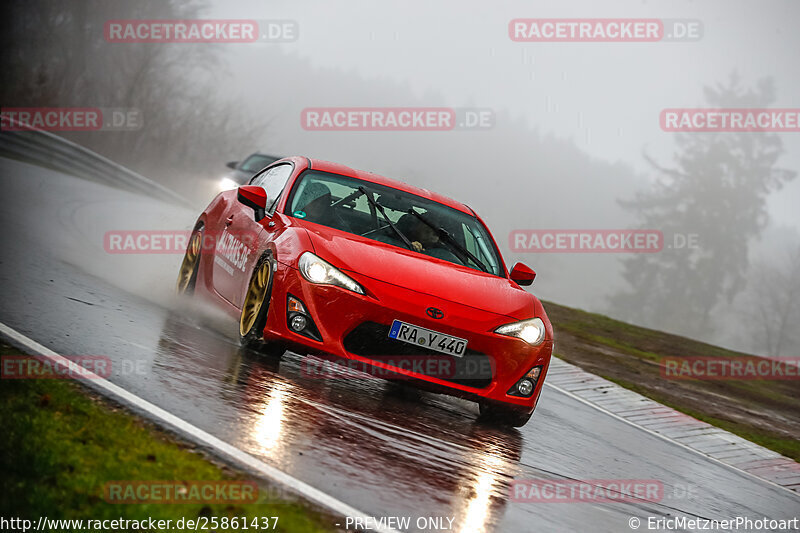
[[504, 416], [255, 309]]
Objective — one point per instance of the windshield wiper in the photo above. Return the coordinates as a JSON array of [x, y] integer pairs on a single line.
[[374, 203], [445, 236]]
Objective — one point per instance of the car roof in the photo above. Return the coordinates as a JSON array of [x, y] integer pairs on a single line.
[[337, 168]]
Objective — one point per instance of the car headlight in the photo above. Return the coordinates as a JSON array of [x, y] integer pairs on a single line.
[[226, 184], [531, 331], [321, 272]]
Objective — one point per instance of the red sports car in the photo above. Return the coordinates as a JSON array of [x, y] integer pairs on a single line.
[[377, 275]]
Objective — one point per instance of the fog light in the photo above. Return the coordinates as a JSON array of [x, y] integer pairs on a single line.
[[525, 387], [298, 323]]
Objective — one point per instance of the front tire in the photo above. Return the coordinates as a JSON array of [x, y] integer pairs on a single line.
[[187, 275], [255, 309], [504, 416]]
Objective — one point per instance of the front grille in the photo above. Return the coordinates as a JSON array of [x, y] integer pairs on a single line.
[[371, 340]]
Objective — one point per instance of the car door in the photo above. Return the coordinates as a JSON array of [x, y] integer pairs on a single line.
[[237, 247]]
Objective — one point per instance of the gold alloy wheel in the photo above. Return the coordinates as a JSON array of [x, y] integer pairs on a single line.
[[255, 298], [189, 263]]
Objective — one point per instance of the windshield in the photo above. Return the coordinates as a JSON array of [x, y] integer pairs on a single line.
[[385, 214], [254, 163]]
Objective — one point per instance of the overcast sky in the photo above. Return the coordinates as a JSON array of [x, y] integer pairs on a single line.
[[606, 97]]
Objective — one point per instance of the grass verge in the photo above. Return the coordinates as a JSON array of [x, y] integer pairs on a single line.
[[764, 412], [61, 445]]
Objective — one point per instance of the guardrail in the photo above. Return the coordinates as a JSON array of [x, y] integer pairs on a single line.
[[43, 147]]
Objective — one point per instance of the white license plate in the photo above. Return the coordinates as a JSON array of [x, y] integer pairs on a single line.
[[427, 338]]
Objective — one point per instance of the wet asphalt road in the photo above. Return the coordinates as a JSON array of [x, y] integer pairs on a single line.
[[381, 448]]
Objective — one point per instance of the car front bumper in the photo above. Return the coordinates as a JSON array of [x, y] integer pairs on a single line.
[[355, 328]]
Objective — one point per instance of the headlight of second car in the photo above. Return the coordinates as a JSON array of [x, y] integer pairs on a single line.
[[531, 331], [226, 184], [321, 272]]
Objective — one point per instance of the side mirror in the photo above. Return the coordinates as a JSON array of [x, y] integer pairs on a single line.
[[232, 164], [254, 197], [522, 274]]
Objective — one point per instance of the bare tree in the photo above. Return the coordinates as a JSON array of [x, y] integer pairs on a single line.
[[775, 295], [57, 55]]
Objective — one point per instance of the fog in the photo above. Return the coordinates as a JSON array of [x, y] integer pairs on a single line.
[[575, 140]]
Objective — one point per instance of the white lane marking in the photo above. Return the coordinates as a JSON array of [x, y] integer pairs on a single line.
[[221, 447], [673, 441]]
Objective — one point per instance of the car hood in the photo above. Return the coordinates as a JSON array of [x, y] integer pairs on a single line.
[[421, 273]]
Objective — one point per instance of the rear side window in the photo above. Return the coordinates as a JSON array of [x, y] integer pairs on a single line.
[[273, 180]]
